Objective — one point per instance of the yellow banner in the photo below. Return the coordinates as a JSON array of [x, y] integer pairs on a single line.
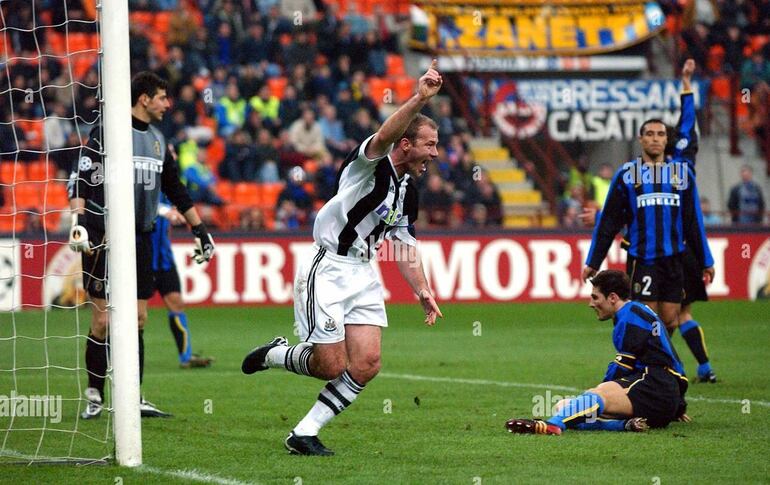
[[520, 28]]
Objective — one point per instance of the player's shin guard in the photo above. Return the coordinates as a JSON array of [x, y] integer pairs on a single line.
[[96, 362], [141, 355], [586, 407], [603, 425], [692, 333], [294, 359], [333, 399], [177, 322]]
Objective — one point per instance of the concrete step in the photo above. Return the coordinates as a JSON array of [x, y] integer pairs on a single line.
[[522, 197], [496, 164], [514, 186], [506, 175], [490, 153], [523, 221], [482, 142]]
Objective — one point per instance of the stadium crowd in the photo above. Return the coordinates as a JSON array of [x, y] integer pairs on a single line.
[[270, 96]]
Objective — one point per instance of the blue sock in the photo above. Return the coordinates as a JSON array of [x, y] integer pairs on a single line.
[[577, 410], [704, 369], [177, 322], [603, 425]]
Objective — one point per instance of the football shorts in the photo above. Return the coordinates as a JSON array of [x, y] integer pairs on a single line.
[[95, 266], [655, 394], [662, 280], [694, 287], [331, 291]]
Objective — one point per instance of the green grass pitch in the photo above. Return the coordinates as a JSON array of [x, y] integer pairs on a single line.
[[434, 415]]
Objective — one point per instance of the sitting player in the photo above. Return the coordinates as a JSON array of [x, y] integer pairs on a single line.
[[168, 285], [644, 385]]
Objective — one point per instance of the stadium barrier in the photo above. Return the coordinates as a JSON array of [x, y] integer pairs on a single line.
[[505, 266]]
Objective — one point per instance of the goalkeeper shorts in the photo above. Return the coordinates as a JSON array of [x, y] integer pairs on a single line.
[[95, 266], [332, 291]]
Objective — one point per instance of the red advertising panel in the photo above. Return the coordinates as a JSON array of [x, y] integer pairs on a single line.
[[502, 267]]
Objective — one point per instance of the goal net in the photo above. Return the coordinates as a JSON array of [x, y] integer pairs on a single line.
[[51, 96]]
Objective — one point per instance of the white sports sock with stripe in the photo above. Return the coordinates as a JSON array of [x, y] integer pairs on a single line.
[[294, 359], [333, 399]]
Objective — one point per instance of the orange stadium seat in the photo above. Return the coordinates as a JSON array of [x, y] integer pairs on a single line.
[[310, 166], [377, 89], [10, 169], [11, 223], [404, 88], [247, 193], [215, 152], [716, 57], [40, 171], [395, 65], [52, 221], [270, 193], [161, 22], [720, 88], [144, 18], [277, 86], [28, 195], [56, 195], [224, 189], [229, 216]]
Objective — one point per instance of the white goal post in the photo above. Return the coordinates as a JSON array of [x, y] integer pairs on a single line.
[[121, 237]]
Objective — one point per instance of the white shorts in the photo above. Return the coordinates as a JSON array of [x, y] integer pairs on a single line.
[[331, 291]]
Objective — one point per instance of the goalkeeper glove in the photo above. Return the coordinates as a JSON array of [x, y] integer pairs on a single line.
[[204, 244], [79, 237]]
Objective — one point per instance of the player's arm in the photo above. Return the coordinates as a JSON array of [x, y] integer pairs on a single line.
[[177, 193], [686, 145], [629, 341], [87, 176], [393, 128], [611, 219], [410, 263], [694, 229]]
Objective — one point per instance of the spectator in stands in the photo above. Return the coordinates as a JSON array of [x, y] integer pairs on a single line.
[[734, 45], [755, 70], [300, 82], [697, 42], [182, 25], [570, 217], [463, 176], [288, 216], [484, 192], [187, 104], [326, 177], [359, 25], [227, 13], [709, 218], [346, 106], [252, 219], [436, 202], [322, 83], [376, 54], [326, 31], [199, 179], [746, 203], [337, 142], [295, 192], [576, 199], [240, 163], [267, 157], [478, 216], [299, 51], [445, 121], [601, 184], [58, 127], [254, 49], [306, 137], [226, 43], [266, 104], [231, 111], [289, 109], [361, 127], [200, 52]]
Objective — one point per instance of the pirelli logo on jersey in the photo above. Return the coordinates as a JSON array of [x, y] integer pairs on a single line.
[[148, 164], [658, 198]]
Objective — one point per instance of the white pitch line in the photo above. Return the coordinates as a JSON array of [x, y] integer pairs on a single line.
[[192, 475], [485, 382]]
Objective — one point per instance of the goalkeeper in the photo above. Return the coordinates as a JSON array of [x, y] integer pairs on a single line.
[[644, 385], [154, 170]]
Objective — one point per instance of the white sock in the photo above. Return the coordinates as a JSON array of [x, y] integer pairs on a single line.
[[333, 399], [294, 359]]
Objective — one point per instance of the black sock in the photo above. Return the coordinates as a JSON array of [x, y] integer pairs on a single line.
[[692, 333], [141, 355], [96, 362]]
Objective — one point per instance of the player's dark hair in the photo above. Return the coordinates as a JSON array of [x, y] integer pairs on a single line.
[[612, 281], [418, 121], [652, 120], [148, 83]]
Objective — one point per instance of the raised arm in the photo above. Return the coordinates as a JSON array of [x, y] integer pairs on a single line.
[[390, 131], [686, 144]]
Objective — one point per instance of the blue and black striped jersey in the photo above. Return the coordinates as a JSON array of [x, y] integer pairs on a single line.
[[162, 256], [641, 341], [657, 204]]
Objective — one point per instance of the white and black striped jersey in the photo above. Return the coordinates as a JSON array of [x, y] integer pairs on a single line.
[[370, 203]]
